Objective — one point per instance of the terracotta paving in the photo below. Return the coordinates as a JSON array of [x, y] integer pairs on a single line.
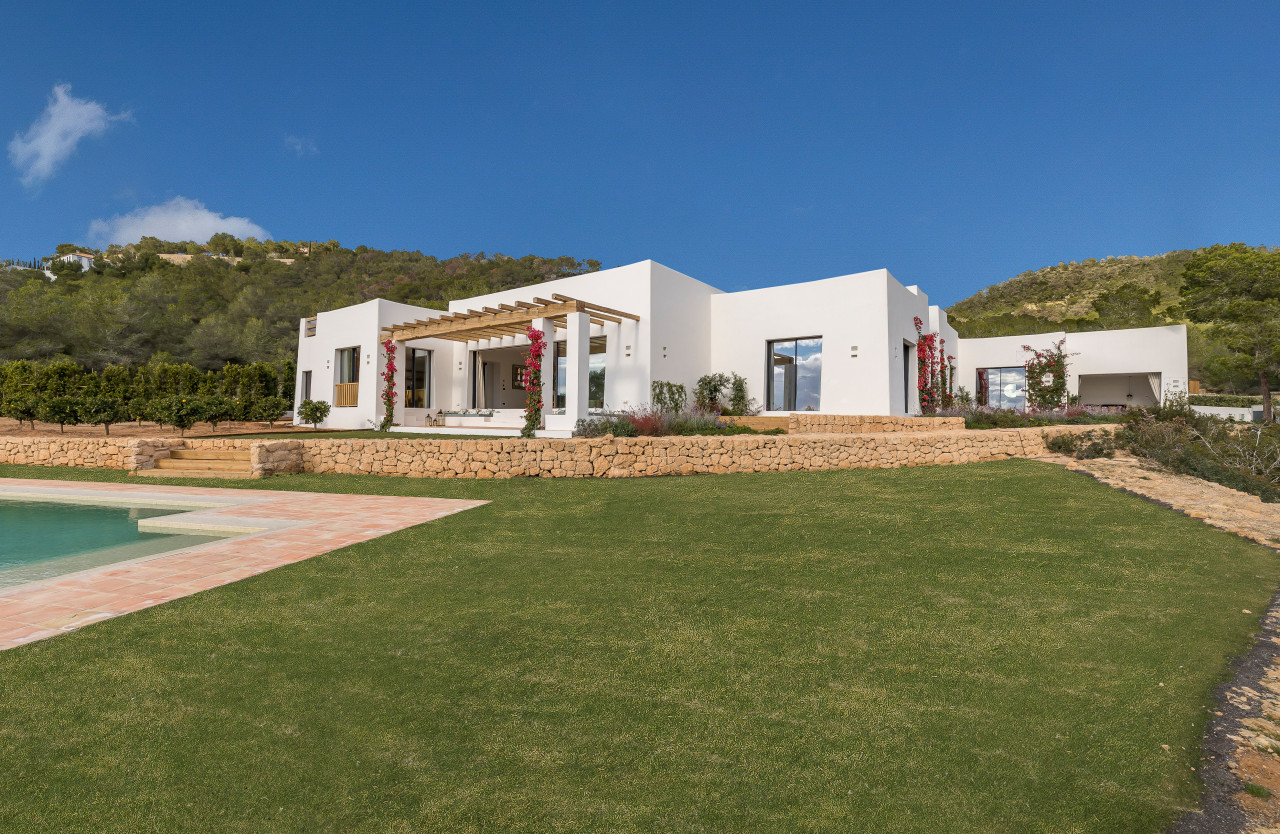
[[292, 526]]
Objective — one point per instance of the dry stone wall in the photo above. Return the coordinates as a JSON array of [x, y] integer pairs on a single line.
[[856, 424], [598, 457]]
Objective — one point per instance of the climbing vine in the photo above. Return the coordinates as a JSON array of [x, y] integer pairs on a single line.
[[532, 376], [388, 385], [934, 374], [1046, 376]]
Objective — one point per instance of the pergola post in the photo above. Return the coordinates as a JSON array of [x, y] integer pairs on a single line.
[[548, 328], [577, 365]]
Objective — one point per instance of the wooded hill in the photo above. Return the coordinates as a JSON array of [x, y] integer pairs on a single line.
[[1111, 293], [243, 307]]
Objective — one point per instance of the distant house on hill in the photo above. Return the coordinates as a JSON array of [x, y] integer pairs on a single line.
[[83, 258]]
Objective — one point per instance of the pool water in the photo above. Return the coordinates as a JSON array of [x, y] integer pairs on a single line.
[[40, 540]]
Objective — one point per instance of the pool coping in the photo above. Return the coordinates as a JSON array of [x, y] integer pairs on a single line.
[[265, 529]]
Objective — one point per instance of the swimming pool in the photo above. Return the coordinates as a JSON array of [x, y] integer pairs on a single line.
[[41, 540]]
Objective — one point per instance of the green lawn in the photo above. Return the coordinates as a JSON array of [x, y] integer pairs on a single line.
[[829, 651]]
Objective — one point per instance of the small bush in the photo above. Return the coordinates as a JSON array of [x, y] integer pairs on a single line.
[[270, 409], [313, 412], [103, 411], [1086, 446], [668, 397], [60, 410], [618, 425], [1224, 400]]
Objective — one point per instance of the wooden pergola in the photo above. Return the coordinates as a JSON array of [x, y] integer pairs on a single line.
[[504, 320]]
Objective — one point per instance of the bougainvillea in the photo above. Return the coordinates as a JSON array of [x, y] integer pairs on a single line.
[[934, 375], [388, 385], [1046, 377], [532, 377]]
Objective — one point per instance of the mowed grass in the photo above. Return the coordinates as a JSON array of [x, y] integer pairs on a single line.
[[993, 647]]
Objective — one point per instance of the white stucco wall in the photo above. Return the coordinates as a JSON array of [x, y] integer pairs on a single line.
[[863, 320], [688, 328], [356, 326], [1113, 354]]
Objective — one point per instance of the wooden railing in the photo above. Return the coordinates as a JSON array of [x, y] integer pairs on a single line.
[[345, 394]]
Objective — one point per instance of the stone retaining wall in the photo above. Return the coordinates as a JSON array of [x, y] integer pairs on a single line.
[[607, 457], [847, 424]]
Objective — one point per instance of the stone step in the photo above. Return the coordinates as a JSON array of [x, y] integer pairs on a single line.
[[209, 454], [191, 473], [201, 463]]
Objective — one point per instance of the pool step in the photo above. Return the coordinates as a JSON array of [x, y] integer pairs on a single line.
[[201, 463]]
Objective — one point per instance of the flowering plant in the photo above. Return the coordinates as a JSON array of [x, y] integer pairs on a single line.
[[1046, 376], [532, 378], [388, 385], [934, 373]]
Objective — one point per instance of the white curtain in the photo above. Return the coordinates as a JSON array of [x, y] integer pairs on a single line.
[[480, 403], [1154, 381]]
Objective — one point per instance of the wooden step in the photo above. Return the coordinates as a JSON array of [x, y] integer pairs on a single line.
[[209, 454], [199, 463], [191, 473]]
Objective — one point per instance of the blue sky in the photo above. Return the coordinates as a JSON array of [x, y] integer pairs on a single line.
[[746, 144]]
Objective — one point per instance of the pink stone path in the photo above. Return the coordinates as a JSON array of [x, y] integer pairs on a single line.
[[301, 525]]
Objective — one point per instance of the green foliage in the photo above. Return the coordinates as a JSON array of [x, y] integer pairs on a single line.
[[668, 397], [61, 410], [313, 412], [741, 404], [214, 409], [709, 391], [270, 409], [1085, 446], [209, 312], [1112, 293], [103, 411], [1235, 289], [1241, 456], [180, 412], [1224, 400], [616, 425]]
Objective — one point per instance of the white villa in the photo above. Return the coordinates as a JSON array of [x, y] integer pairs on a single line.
[[841, 345]]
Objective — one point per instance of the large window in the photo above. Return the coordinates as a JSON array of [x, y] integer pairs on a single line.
[[795, 374], [417, 378], [595, 373], [1002, 388], [306, 385]]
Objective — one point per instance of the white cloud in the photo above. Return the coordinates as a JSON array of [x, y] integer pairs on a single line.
[[178, 219], [53, 137], [300, 145]]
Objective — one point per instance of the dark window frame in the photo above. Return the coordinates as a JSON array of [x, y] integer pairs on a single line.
[[769, 366]]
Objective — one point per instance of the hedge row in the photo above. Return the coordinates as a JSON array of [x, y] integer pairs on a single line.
[[177, 395], [1224, 400]]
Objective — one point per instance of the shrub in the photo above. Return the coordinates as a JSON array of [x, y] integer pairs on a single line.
[[1241, 456], [1086, 446], [22, 406], [696, 422], [709, 391], [180, 412], [740, 403], [60, 410], [668, 397], [1224, 400], [214, 409], [103, 411], [617, 425], [270, 409], [313, 412]]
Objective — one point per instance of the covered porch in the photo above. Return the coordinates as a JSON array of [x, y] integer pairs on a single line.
[[485, 389]]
